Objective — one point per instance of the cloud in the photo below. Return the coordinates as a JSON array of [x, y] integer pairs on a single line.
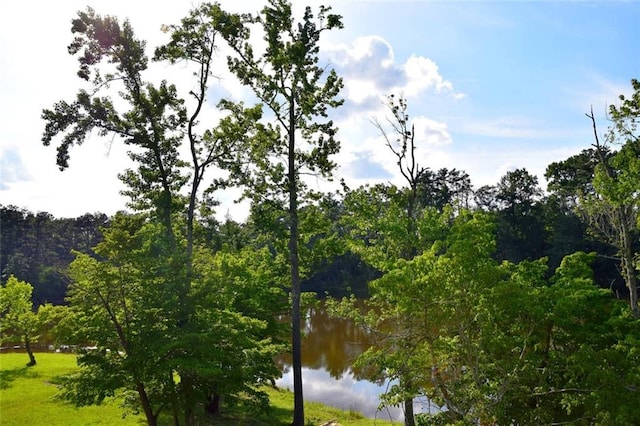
[[431, 132], [514, 127], [364, 167], [368, 58], [347, 393], [422, 74], [370, 72], [597, 92], [12, 168]]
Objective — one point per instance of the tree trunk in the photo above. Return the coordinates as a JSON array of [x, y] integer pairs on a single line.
[[213, 404], [628, 269], [175, 416], [189, 418], [27, 345], [408, 413], [296, 339], [152, 419]]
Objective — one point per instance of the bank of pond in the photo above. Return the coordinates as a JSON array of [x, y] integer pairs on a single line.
[[27, 397], [329, 348]]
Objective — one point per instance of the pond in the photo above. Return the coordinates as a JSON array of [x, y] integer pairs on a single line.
[[328, 349]]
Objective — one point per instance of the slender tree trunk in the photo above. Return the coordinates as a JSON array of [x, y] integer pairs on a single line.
[[27, 345], [213, 404], [627, 261], [174, 400], [175, 414], [189, 418], [296, 339], [410, 252], [408, 413], [152, 419]]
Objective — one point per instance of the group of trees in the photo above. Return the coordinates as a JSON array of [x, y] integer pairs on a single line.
[[36, 247], [494, 313], [173, 324], [490, 302]]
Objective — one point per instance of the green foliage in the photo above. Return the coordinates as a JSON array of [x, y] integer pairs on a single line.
[[221, 336], [612, 211], [166, 326], [626, 115], [521, 232], [50, 317], [601, 185], [498, 342], [18, 320], [291, 85], [109, 54], [36, 248], [378, 225]]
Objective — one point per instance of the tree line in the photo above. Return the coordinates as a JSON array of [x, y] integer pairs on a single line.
[[530, 224], [500, 304]]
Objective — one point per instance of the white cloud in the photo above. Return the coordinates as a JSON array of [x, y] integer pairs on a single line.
[[431, 132], [346, 393], [423, 74], [515, 127], [12, 168], [371, 72], [602, 93]]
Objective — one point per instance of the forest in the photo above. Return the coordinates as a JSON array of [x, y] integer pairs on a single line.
[[504, 304]]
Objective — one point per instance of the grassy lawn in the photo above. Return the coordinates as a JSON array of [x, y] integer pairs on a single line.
[[27, 398], [26, 395]]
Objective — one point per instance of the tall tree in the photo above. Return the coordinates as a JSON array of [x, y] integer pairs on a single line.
[[156, 122], [570, 183], [572, 178], [400, 140], [290, 83], [390, 226], [612, 210], [521, 228]]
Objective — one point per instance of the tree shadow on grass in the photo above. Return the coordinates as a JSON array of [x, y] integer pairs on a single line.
[[9, 376], [276, 416], [240, 415]]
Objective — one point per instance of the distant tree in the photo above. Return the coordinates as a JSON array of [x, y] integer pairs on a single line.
[[572, 178], [288, 81], [570, 182], [49, 319], [18, 319], [485, 198], [445, 187], [521, 232], [37, 248], [602, 186]]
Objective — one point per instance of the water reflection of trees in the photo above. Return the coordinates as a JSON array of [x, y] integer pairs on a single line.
[[330, 343]]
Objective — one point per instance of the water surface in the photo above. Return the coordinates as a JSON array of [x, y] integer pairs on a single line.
[[329, 348]]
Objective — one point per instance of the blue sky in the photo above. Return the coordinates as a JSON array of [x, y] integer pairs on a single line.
[[492, 86]]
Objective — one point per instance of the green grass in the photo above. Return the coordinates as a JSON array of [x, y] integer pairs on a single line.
[[27, 395], [27, 398]]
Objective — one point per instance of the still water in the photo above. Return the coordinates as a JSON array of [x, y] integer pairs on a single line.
[[328, 349]]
